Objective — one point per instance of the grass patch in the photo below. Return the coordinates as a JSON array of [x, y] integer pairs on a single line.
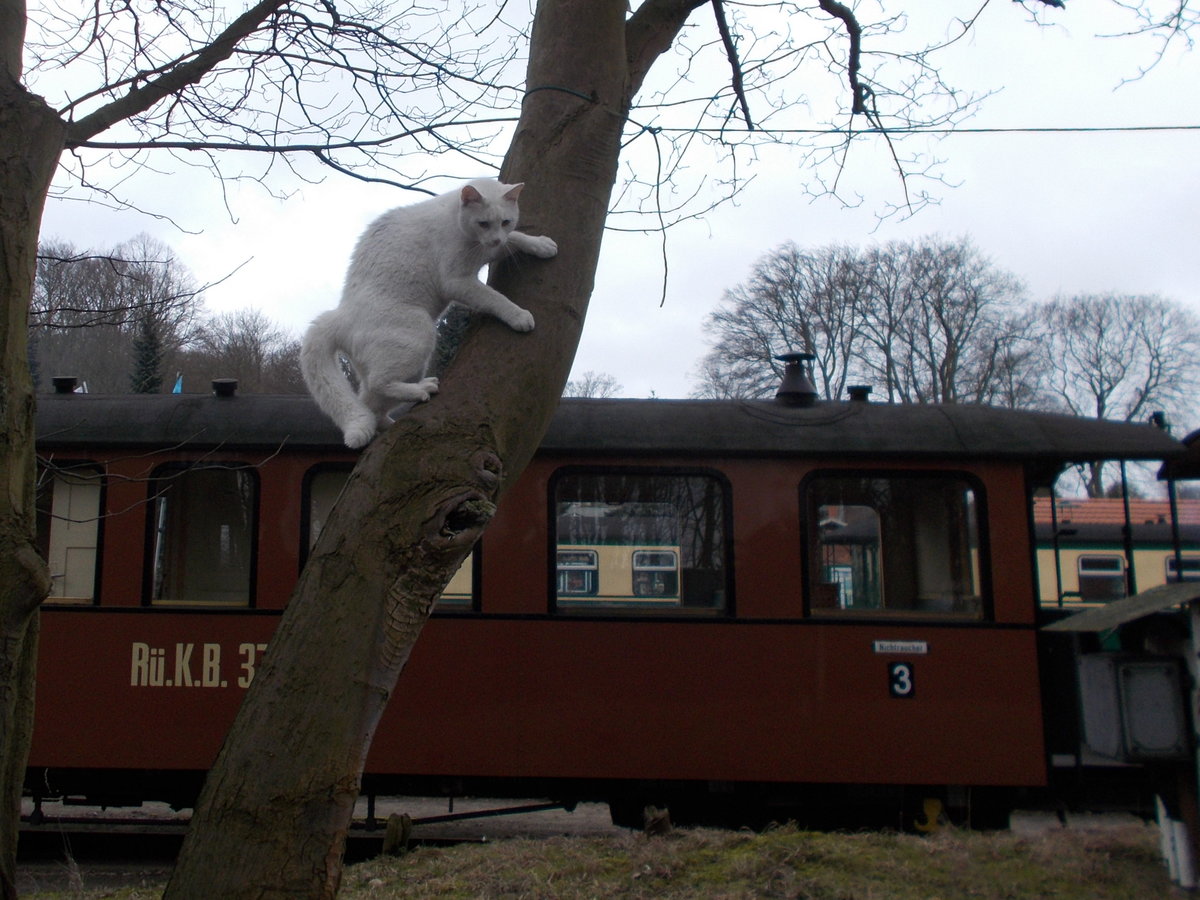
[[785, 862], [1066, 864]]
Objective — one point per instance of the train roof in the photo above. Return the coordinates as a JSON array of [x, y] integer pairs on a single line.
[[1112, 533], [626, 427], [1186, 466]]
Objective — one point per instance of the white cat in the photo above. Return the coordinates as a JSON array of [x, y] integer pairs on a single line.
[[410, 264]]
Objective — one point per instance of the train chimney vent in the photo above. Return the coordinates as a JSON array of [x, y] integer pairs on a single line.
[[224, 387], [64, 384], [797, 387], [859, 393]]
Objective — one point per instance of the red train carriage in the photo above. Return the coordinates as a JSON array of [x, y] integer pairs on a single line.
[[818, 605]]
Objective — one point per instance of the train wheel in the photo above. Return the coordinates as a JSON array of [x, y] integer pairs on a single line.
[[990, 810], [628, 812]]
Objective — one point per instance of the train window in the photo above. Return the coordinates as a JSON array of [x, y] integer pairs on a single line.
[[202, 535], [655, 573], [324, 485], [1101, 578], [1190, 569], [68, 528], [578, 573], [639, 541], [896, 544]]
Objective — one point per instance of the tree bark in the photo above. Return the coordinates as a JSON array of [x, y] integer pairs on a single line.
[[31, 139], [287, 777]]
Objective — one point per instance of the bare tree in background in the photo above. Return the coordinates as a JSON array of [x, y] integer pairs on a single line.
[[91, 308], [245, 345], [793, 301], [925, 322], [957, 310], [72, 328], [935, 322], [1113, 356], [1008, 373], [593, 384], [132, 319]]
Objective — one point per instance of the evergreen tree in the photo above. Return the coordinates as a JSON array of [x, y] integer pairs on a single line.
[[147, 360]]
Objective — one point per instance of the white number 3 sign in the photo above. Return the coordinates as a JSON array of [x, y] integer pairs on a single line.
[[901, 681]]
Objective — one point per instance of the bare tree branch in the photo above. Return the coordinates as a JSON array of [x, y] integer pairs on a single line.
[[858, 91], [175, 78], [734, 64]]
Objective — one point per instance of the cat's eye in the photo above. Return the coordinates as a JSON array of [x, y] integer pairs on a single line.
[[484, 225], [506, 223]]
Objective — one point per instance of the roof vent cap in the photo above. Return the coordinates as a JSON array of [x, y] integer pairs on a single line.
[[859, 393], [64, 384], [224, 387], [797, 387]]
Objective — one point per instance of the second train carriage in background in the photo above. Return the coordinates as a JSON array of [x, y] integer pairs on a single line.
[[710, 605], [1096, 550]]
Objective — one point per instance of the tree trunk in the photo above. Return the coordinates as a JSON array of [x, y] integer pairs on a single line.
[[274, 813], [31, 139]]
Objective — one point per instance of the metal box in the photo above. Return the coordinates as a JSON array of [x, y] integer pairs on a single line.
[[1133, 707]]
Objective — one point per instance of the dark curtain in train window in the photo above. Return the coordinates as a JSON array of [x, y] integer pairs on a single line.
[[905, 543], [203, 536], [640, 541]]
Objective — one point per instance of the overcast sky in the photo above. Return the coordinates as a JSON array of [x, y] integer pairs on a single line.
[[1067, 213]]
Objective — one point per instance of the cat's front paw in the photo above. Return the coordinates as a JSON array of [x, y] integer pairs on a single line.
[[541, 246], [521, 320], [430, 386]]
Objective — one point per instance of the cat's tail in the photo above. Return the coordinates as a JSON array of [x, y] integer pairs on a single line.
[[322, 370]]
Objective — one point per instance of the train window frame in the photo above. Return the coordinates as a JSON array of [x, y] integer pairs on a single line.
[[809, 548], [641, 610], [1190, 572], [1117, 576], [160, 481], [654, 572], [48, 476], [307, 481], [590, 570], [445, 605]]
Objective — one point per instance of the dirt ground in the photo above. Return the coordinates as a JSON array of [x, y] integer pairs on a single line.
[[71, 861]]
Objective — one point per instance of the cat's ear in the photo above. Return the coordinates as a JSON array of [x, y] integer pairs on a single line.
[[514, 192], [471, 195]]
